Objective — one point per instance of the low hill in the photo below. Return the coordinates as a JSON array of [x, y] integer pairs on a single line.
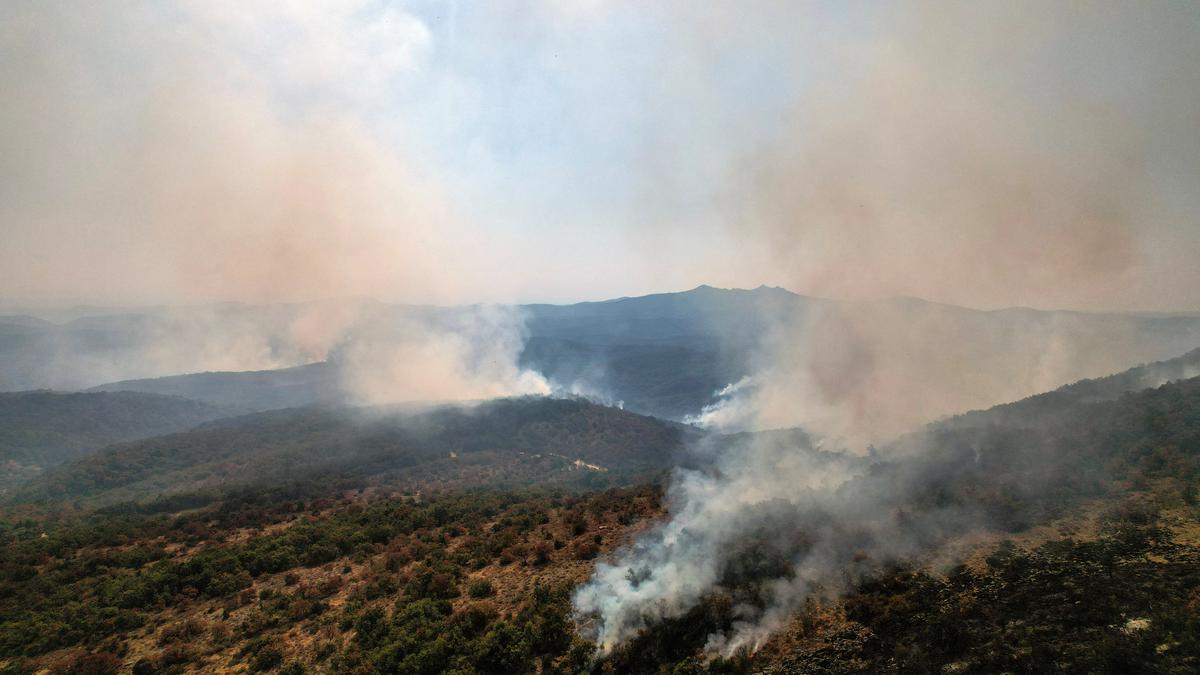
[[408, 577], [663, 354], [249, 391], [1051, 405], [40, 429], [507, 441], [1105, 497], [667, 380]]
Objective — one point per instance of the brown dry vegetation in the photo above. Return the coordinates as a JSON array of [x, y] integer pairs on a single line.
[[303, 612]]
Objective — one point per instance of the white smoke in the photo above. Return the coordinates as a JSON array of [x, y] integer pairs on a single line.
[[729, 410], [452, 355], [668, 570]]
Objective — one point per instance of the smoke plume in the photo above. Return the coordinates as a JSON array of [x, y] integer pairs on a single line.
[[470, 353], [187, 153], [667, 571], [215, 152], [986, 154]]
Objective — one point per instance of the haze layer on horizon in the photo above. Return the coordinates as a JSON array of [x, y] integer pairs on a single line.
[[985, 154]]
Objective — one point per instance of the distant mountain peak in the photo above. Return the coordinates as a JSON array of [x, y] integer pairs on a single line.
[[761, 288]]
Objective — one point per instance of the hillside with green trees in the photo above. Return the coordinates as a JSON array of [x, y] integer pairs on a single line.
[[427, 540], [41, 429], [502, 442], [1071, 547], [663, 354]]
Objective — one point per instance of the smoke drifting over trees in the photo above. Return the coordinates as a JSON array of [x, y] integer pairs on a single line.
[[988, 154], [985, 154], [1003, 153]]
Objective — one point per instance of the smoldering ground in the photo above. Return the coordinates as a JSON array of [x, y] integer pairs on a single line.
[[762, 523]]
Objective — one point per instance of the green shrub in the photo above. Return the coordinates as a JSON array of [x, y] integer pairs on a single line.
[[480, 588]]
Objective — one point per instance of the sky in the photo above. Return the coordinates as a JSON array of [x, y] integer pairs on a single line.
[[988, 154]]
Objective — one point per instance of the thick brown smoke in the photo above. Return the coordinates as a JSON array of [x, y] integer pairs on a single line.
[[979, 153], [149, 153], [985, 154], [168, 169], [925, 173]]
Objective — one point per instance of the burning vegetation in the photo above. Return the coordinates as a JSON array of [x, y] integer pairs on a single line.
[[1050, 544]]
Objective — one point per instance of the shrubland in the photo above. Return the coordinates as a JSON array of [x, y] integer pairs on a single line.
[[1084, 555]]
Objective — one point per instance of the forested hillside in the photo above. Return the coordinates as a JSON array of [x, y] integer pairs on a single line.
[[449, 540], [247, 391], [497, 443], [665, 354], [1045, 408], [584, 337], [41, 429]]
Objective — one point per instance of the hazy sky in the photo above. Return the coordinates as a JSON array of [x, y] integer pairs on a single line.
[[987, 154]]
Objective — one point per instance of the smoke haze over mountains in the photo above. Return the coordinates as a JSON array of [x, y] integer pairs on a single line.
[[988, 155], [920, 173]]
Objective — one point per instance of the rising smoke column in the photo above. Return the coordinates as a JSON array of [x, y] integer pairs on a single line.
[[772, 521], [191, 153], [983, 154], [668, 570], [457, 354]]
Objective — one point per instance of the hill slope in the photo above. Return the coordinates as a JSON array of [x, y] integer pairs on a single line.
[[508, 441], [1044, 408], [873, 575], [248, 391], [40, 429], [427, 580], [663, 354]]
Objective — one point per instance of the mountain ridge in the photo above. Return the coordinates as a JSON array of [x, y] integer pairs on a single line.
[[662, 354]]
